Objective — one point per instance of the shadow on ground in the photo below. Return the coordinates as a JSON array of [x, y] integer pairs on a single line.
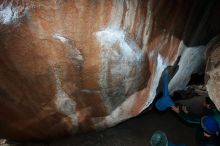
[[133, 132]]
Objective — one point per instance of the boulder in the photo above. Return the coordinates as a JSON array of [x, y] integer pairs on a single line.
[[69, 66], [213, 70]]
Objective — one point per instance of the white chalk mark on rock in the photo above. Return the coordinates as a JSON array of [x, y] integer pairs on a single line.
[[61, 38], [10, 14], [122, 60], [64, 103], [191, 61], [160, 66], [73, 52]]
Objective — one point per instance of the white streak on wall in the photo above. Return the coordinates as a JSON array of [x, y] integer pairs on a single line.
[[126, 61], [160, 67], [130, 14], [117, 13], [191, 61], [6, 15], [121, 58], [73, 53], [148, 24], [89, 91], [61, 38], [64, 103], [109, 37], [120, 114], [10, 14], [139, 30]]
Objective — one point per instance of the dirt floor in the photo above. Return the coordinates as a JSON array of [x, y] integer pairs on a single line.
[[133, 132]]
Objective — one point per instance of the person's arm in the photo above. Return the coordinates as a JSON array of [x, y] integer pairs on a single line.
[[189, 118], [186, 116]]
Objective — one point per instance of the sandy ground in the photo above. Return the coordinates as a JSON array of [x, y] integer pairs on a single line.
[[133, 132]]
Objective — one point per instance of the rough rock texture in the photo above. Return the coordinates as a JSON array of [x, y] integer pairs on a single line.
[[69, 66], [213, 70]]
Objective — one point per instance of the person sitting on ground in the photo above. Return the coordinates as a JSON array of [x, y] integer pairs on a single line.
[[207, 133], [209, 125], [159, 138]]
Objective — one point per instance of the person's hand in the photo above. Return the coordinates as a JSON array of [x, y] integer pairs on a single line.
[[184, 109], [176, 109]]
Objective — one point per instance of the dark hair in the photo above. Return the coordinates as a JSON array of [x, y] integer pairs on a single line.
[[209, 101]]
